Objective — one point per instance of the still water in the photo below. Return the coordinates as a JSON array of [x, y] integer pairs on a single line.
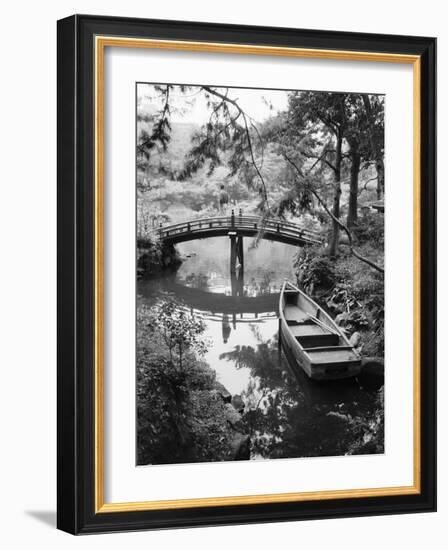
[[287, 414], [247, 320]]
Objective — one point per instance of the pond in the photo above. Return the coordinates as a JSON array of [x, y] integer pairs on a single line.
[[286, 414]]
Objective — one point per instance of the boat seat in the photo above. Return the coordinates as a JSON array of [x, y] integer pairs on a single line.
[[329, 348], [318, 339], [311, 329], [332, 355], [294, 323]]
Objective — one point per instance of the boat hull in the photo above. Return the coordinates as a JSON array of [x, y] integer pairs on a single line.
[[312, 341]]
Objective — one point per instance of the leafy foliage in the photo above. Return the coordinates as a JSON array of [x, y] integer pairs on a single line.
[[350, 291], [154, 257], [181, 331], [180, 414], [315, 270], [370, 229]]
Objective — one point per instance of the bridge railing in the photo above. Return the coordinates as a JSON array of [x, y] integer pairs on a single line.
[[237, 221]]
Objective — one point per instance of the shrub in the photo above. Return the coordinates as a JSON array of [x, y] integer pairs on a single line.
[[370, 228], [315, 271], [180, 414]]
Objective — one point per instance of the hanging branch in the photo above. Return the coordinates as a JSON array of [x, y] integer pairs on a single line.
[[248, 136], [333, 217], [260, 141], [157, 132]]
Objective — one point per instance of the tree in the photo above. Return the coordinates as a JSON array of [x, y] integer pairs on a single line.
[[355, 137], [324, 112], [180, 414], [228, 136], [374, 106], [313, 133], [305, 138], [365, 136], [180, 330], [308, 183], [352, 215]]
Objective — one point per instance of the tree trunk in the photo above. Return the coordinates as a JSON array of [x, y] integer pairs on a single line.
[[352, 216], [180, 356], [379, 163], [334, 241], [380, 175]]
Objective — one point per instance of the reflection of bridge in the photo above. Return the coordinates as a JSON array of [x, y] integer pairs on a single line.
[[214, 302], [234, 318], [227, 310]]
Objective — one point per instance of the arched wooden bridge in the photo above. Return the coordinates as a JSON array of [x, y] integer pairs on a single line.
[[237, 225]]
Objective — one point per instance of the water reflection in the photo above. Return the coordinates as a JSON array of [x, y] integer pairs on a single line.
[[207, 266], [285, 413], [226, 329]]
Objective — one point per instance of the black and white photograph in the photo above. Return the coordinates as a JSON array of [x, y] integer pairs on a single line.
[[220, 285], [260, 273]]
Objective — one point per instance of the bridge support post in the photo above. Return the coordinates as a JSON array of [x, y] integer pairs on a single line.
[[240, 253], [236, 255], [232, 254]]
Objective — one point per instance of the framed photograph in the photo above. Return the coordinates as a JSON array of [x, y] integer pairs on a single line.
[[246, 274]]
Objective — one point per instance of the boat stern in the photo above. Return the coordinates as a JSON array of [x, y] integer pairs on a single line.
[[335, 371]]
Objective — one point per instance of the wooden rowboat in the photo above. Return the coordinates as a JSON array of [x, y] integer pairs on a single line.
[[312, 340]]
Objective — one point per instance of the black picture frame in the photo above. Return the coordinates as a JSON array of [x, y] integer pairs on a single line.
[[76, 286]]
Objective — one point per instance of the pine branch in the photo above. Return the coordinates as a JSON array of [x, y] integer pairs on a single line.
[[248, 136], [141, 148]]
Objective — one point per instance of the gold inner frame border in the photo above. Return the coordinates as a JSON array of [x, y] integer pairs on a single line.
[[100, 44]]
